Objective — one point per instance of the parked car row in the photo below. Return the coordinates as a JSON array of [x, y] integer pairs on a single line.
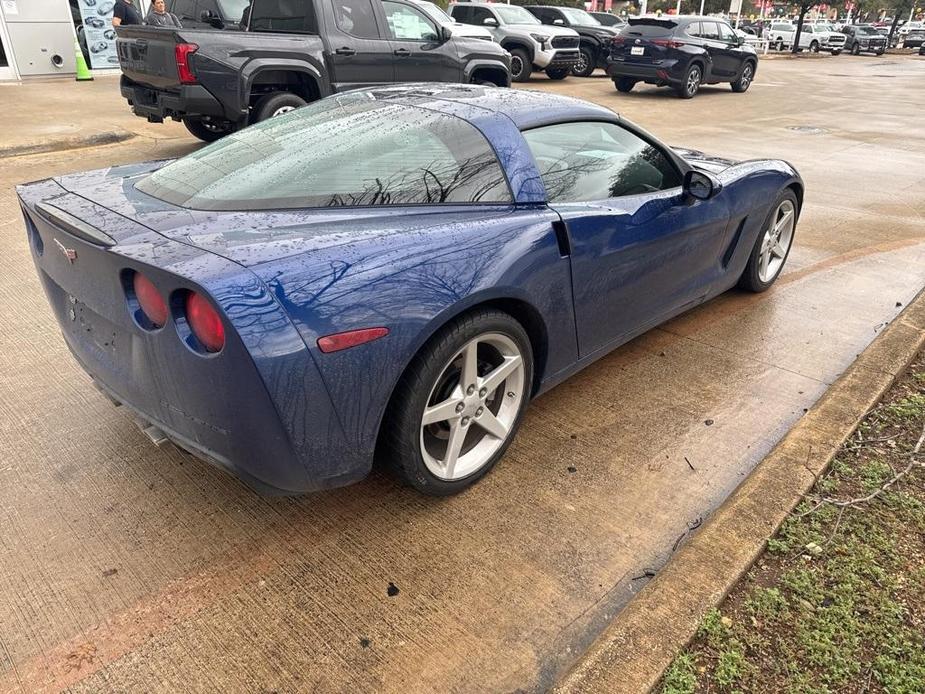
[[292, 53]]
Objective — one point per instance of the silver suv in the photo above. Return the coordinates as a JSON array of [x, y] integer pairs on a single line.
[[532, 44]]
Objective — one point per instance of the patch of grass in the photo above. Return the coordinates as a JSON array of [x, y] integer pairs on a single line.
[[681, 677], [837, 602]]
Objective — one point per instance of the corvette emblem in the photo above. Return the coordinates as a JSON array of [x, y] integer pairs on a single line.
[[69, 253]]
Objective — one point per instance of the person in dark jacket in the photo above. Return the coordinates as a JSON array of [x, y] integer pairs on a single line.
[[125, 13], [158, 16]]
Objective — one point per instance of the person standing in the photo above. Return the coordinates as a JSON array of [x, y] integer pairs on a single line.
[[125, 13], [158, 16]]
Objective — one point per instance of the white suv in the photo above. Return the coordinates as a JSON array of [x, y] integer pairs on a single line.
[[532, 44], [814, 37]]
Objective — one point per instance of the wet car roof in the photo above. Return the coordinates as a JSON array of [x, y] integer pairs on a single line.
[[527, 109]]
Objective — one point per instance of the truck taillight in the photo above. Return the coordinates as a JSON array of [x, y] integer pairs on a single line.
[[183, 51]]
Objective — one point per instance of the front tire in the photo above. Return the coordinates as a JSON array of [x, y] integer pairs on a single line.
[[624, 85], [773, 245], [814, 47], [855, 50], [208, 130], [779, 46], [557, 73], [586, 63], [745, 79], [691, 84], [460, 403], [520, 65]]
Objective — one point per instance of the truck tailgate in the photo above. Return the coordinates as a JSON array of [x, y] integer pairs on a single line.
[[147, 55]]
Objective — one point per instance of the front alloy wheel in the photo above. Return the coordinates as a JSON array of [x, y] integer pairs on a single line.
[[458, 406], [745, 79], [772, 246]]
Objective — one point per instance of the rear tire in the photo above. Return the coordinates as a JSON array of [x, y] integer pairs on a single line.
[[557, 73], [814, 47], [755, 277], [275, 104], [208, 130], [624, 84], [779, 45], [417, 452], [586, 64], [520, 65], [691, 84]]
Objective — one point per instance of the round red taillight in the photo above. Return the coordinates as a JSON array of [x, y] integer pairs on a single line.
[[205, 322], [152, 303]]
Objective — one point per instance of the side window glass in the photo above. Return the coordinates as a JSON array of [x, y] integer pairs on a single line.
[[356, 17], [725, 32], [693, 29], [184, 9], [461, 14], [406, 23], [709, 30], [580, 162], [479, 15]]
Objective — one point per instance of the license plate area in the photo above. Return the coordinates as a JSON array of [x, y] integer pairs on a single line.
[[637, 50]]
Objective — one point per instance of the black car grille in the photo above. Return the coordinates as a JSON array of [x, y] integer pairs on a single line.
[[565, 42]]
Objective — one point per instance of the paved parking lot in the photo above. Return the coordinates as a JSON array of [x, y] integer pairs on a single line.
[[127, 567]]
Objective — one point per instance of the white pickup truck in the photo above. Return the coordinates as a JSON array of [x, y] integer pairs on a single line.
[[814, 37]]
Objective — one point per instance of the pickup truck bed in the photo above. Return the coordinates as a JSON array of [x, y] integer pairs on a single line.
[[219, 81]]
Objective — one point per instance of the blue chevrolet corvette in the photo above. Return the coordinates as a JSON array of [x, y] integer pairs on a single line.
[[390, 274]]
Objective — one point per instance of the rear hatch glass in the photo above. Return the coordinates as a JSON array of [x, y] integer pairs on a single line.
[[643, 40]]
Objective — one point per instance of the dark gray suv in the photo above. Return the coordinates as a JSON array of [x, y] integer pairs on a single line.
[[682, 53]]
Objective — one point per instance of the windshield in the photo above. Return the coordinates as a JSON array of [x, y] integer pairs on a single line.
[[348, 150], [437, 14], [579, 17], [866, 30], [233, 9], [512, 14]]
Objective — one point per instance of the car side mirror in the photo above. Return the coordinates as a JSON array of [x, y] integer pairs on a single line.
[[559, 22], [445, 34], [490, 22], [700, 185]]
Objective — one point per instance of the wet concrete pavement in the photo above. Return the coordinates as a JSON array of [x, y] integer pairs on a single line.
[[126, 567]]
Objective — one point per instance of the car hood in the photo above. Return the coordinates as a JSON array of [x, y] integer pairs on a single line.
[[469, 30], [542, 29], [705, 162], [251, 238]]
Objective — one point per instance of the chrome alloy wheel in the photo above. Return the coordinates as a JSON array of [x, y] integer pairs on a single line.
[[472, 408], [517, 65], [582, 63], [746, 77], [693, 80], [776, 241]]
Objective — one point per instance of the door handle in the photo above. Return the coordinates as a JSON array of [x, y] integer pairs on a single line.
[[346, 51], [404, 52]]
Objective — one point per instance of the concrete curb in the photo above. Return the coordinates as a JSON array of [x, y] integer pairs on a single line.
[[636, 648], [65, 143]]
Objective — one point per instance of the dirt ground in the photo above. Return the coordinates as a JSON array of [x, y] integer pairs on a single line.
[[127, 567]]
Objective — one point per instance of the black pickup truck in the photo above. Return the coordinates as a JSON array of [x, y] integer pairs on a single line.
[[292, 52]]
